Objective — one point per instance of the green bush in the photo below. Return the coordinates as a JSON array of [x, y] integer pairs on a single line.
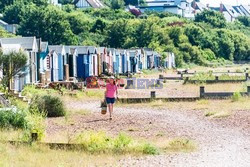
[[52, 106], [236, 96], [35, 124], [11, 118], [100, 142]]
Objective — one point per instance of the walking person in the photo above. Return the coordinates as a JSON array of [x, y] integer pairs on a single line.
[[111, 94]]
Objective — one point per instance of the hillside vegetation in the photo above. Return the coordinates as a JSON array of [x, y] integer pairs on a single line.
[[208, 40]]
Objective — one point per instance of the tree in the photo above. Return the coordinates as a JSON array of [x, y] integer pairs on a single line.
[[245, 20], [117, 4], [49, 23], [12, 63], [13, 14], [117, 33], [4, 34], [195, 34], [4, 3], [216, 19], [79, 22]]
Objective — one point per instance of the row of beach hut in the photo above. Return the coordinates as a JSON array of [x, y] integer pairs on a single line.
[[60, 63]]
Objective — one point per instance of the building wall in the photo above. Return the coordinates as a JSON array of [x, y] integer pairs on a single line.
[[228, 17]]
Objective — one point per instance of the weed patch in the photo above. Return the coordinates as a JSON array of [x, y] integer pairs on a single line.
[[99, 142], [180, 144], [216, 114]]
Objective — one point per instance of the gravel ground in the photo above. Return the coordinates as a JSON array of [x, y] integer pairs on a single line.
[[221, 142]]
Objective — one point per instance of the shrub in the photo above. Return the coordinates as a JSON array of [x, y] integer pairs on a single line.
[[35, 124], [181, 144], [52, 106], [236, 96], [99, 142], [149, 149], [12, 118]]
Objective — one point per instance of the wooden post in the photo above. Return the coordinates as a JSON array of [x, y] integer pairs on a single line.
[[160, 76], [158, 82], [228, 71], [217, 78], [247, 75], [152, 94], [130, 84], [248, 90], [181, 75], [34, 137], [202, 91]]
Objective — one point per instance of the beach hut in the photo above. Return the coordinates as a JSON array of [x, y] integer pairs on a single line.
[[124, 61], [107, 61], [93, 61], [29, 46], [134, 60], [61, 56], [16, 85], [71, 61], [169, 61], [82, 62], [156, 59]]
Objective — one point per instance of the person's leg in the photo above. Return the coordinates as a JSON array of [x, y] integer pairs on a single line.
[[111, 110]]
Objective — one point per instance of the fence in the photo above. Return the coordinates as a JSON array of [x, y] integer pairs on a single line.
[[203, 94]]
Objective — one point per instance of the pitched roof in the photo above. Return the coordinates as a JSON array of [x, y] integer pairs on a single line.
[[245, 9], [81, 49], [8, 48], [44, 46], [27, 43], [92, 49], [101, 49], [92, 3], [231, 10], [70, 49], [3, 22], [57, 48]]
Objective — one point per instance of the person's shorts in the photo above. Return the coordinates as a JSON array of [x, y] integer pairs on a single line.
[[110, 100]]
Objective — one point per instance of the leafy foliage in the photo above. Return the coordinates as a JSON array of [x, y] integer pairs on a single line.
[[206, 41], [216, 19], [12, 63], [52, 106], [99, 142], [12, 118]]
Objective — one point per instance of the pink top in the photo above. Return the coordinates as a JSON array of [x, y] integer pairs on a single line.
[[111, 90]]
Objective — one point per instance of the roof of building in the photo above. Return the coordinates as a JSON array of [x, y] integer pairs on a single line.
[[101, 49], [92, 49], [200, 6], [44, 46], [27, 43], [8, 48], [3, 22], [231, 10], [92, 3], [81, 49], [57, 48], [70, 49]]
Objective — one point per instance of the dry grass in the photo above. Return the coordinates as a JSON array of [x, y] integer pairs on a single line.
[[217, 114], [37, 155], [10, 134], [178, 144]]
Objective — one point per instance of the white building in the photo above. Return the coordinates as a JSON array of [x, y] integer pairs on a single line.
[[179, 7]]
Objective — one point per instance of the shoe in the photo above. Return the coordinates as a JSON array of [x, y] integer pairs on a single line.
[[110, 118]]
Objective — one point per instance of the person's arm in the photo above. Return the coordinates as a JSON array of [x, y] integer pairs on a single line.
[[105, 93], [117, 92]]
